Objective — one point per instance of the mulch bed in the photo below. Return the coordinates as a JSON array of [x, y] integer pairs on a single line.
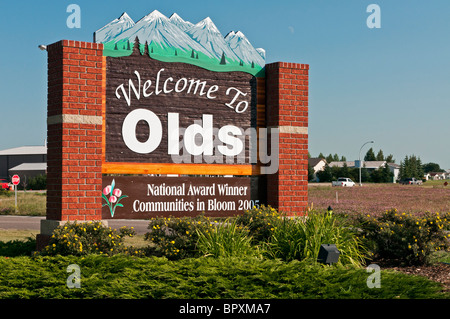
[[439, 272]]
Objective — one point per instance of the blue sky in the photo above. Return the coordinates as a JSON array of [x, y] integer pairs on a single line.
[[390, 85]]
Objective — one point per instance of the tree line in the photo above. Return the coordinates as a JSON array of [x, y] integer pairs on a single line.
[[370, 156], [410, 167], [329, 174]]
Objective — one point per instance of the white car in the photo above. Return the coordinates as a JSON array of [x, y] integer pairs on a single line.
[[344, 181]]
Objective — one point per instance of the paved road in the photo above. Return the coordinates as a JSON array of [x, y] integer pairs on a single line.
[[20, 222], [34, 222]]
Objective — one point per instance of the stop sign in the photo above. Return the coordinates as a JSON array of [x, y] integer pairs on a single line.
[[15, 179]]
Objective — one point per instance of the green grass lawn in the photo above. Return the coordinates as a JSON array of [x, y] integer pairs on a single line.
[[29, 203], [437, 184], [17, 234]]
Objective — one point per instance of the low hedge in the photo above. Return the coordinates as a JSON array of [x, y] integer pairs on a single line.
[[129, 277]]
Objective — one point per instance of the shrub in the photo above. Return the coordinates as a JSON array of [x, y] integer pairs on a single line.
[[17, 247], [175, 238], [260, 222], [301, 238], [81, 239], [405, 239], [38, 182], [226, 239]]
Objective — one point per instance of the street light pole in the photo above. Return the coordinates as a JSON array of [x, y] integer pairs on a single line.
[[360, 161]]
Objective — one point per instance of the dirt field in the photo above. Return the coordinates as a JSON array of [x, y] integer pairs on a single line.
[[377, 198]]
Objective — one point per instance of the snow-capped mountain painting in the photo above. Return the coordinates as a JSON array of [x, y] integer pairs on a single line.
[[113, 29], [174, 39], [179, 22], [158, 29], [243, 48], [206, 33]]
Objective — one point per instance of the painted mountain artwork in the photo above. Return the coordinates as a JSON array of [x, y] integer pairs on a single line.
[[176, 40]]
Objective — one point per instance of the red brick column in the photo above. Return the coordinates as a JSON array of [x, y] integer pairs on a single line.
[[287, 110], [74, 133]]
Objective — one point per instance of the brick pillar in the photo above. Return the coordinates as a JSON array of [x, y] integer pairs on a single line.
[[74, 134], [287, 109]]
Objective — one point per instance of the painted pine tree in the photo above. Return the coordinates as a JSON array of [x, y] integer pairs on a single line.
[[136, 47], [223, 60], [146, 53]]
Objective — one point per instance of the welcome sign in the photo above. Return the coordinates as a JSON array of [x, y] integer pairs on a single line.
[[176, 105], [164, 117], [156, 110]]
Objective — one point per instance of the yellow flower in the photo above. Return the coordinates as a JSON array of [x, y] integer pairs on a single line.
[[187, 232]]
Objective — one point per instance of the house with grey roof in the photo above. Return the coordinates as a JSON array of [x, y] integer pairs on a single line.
[[24, 161], [370, 165], [366, 164], [318, 164]]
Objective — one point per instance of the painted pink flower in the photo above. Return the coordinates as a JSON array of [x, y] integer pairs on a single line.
[[107, 190], [113, 199], [117, 192]]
